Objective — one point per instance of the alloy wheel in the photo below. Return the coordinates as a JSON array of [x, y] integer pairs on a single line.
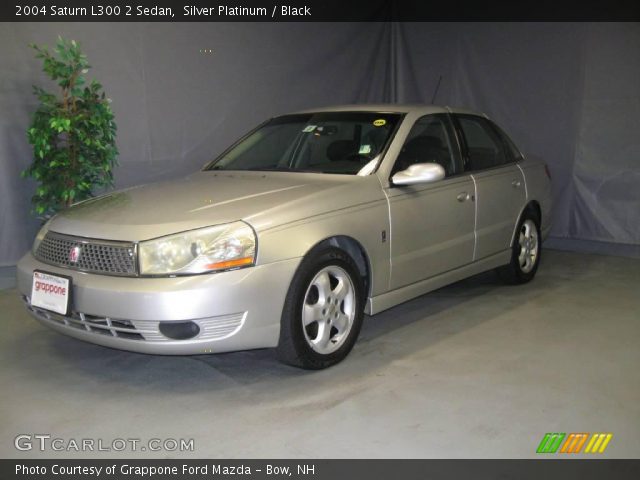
[[529, 246], [328, 310]]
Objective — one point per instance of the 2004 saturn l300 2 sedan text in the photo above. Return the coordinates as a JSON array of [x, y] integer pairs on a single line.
[[291, 235]]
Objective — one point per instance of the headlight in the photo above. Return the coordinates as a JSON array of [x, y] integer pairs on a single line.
[[210, 249], [40, 236]]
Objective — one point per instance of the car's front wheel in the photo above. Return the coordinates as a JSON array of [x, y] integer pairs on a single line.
[[323, 311]]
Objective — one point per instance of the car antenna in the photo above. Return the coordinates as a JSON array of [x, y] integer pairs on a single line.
[[433, 99]]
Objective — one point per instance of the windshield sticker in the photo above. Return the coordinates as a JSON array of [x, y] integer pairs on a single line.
[[379, 122], [309, 128], [364, 149]]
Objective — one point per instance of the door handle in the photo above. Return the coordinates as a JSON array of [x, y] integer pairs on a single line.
[[516, 184], [463, 197]]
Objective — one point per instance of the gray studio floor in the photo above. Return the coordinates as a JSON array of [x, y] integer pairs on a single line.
[[476, 369]]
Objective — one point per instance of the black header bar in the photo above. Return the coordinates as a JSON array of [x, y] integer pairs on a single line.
[[315, 10]]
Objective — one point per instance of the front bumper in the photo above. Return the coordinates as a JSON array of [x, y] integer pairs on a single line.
[[235, 310]]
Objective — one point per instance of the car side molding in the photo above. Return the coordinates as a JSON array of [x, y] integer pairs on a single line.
[[395, 297]]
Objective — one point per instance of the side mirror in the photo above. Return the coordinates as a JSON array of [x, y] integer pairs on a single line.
[[419, 173]]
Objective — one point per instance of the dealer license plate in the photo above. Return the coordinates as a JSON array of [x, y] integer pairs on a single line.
[[51, 292]]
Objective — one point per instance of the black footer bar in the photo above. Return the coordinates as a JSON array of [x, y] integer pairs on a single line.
[[583, 469]]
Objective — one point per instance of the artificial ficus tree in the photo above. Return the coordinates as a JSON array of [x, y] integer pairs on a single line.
[[72, 133]]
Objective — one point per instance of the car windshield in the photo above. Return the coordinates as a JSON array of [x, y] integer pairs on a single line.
[[334, 142]]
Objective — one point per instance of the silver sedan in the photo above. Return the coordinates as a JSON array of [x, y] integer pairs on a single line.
[[291, 235]]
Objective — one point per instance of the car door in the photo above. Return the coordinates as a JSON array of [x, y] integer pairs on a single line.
[[500, 185], [432, 225]]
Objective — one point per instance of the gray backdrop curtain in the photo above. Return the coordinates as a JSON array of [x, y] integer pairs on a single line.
[[569, 93]]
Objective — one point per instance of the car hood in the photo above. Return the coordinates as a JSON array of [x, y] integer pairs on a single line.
[[262, 199]]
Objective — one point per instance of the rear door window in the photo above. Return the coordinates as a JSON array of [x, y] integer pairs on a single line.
[[484, 147]]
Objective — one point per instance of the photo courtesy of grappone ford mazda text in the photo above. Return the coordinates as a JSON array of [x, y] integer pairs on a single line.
[[291, 235]]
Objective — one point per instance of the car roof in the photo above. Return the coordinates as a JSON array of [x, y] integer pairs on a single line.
[[422, 109]]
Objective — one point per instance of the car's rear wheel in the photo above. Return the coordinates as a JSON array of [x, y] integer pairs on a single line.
[[323, 311], [526, 252]]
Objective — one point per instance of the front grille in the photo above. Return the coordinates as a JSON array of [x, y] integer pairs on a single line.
[[95, 256], [212, 328], [91, 323]]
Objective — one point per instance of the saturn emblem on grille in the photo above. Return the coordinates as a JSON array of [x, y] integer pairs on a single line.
[[74, 254]]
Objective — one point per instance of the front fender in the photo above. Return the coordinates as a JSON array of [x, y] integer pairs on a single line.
[[364, 223]]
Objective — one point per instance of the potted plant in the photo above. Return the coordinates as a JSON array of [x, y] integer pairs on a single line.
[[72, 133]]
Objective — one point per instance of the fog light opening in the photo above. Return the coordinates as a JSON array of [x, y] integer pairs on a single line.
[[179, 330]]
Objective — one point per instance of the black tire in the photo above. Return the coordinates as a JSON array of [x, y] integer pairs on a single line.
[[293, 346], [514, 273]]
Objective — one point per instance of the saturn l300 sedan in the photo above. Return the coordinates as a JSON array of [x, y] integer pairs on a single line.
[[290, 236]]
